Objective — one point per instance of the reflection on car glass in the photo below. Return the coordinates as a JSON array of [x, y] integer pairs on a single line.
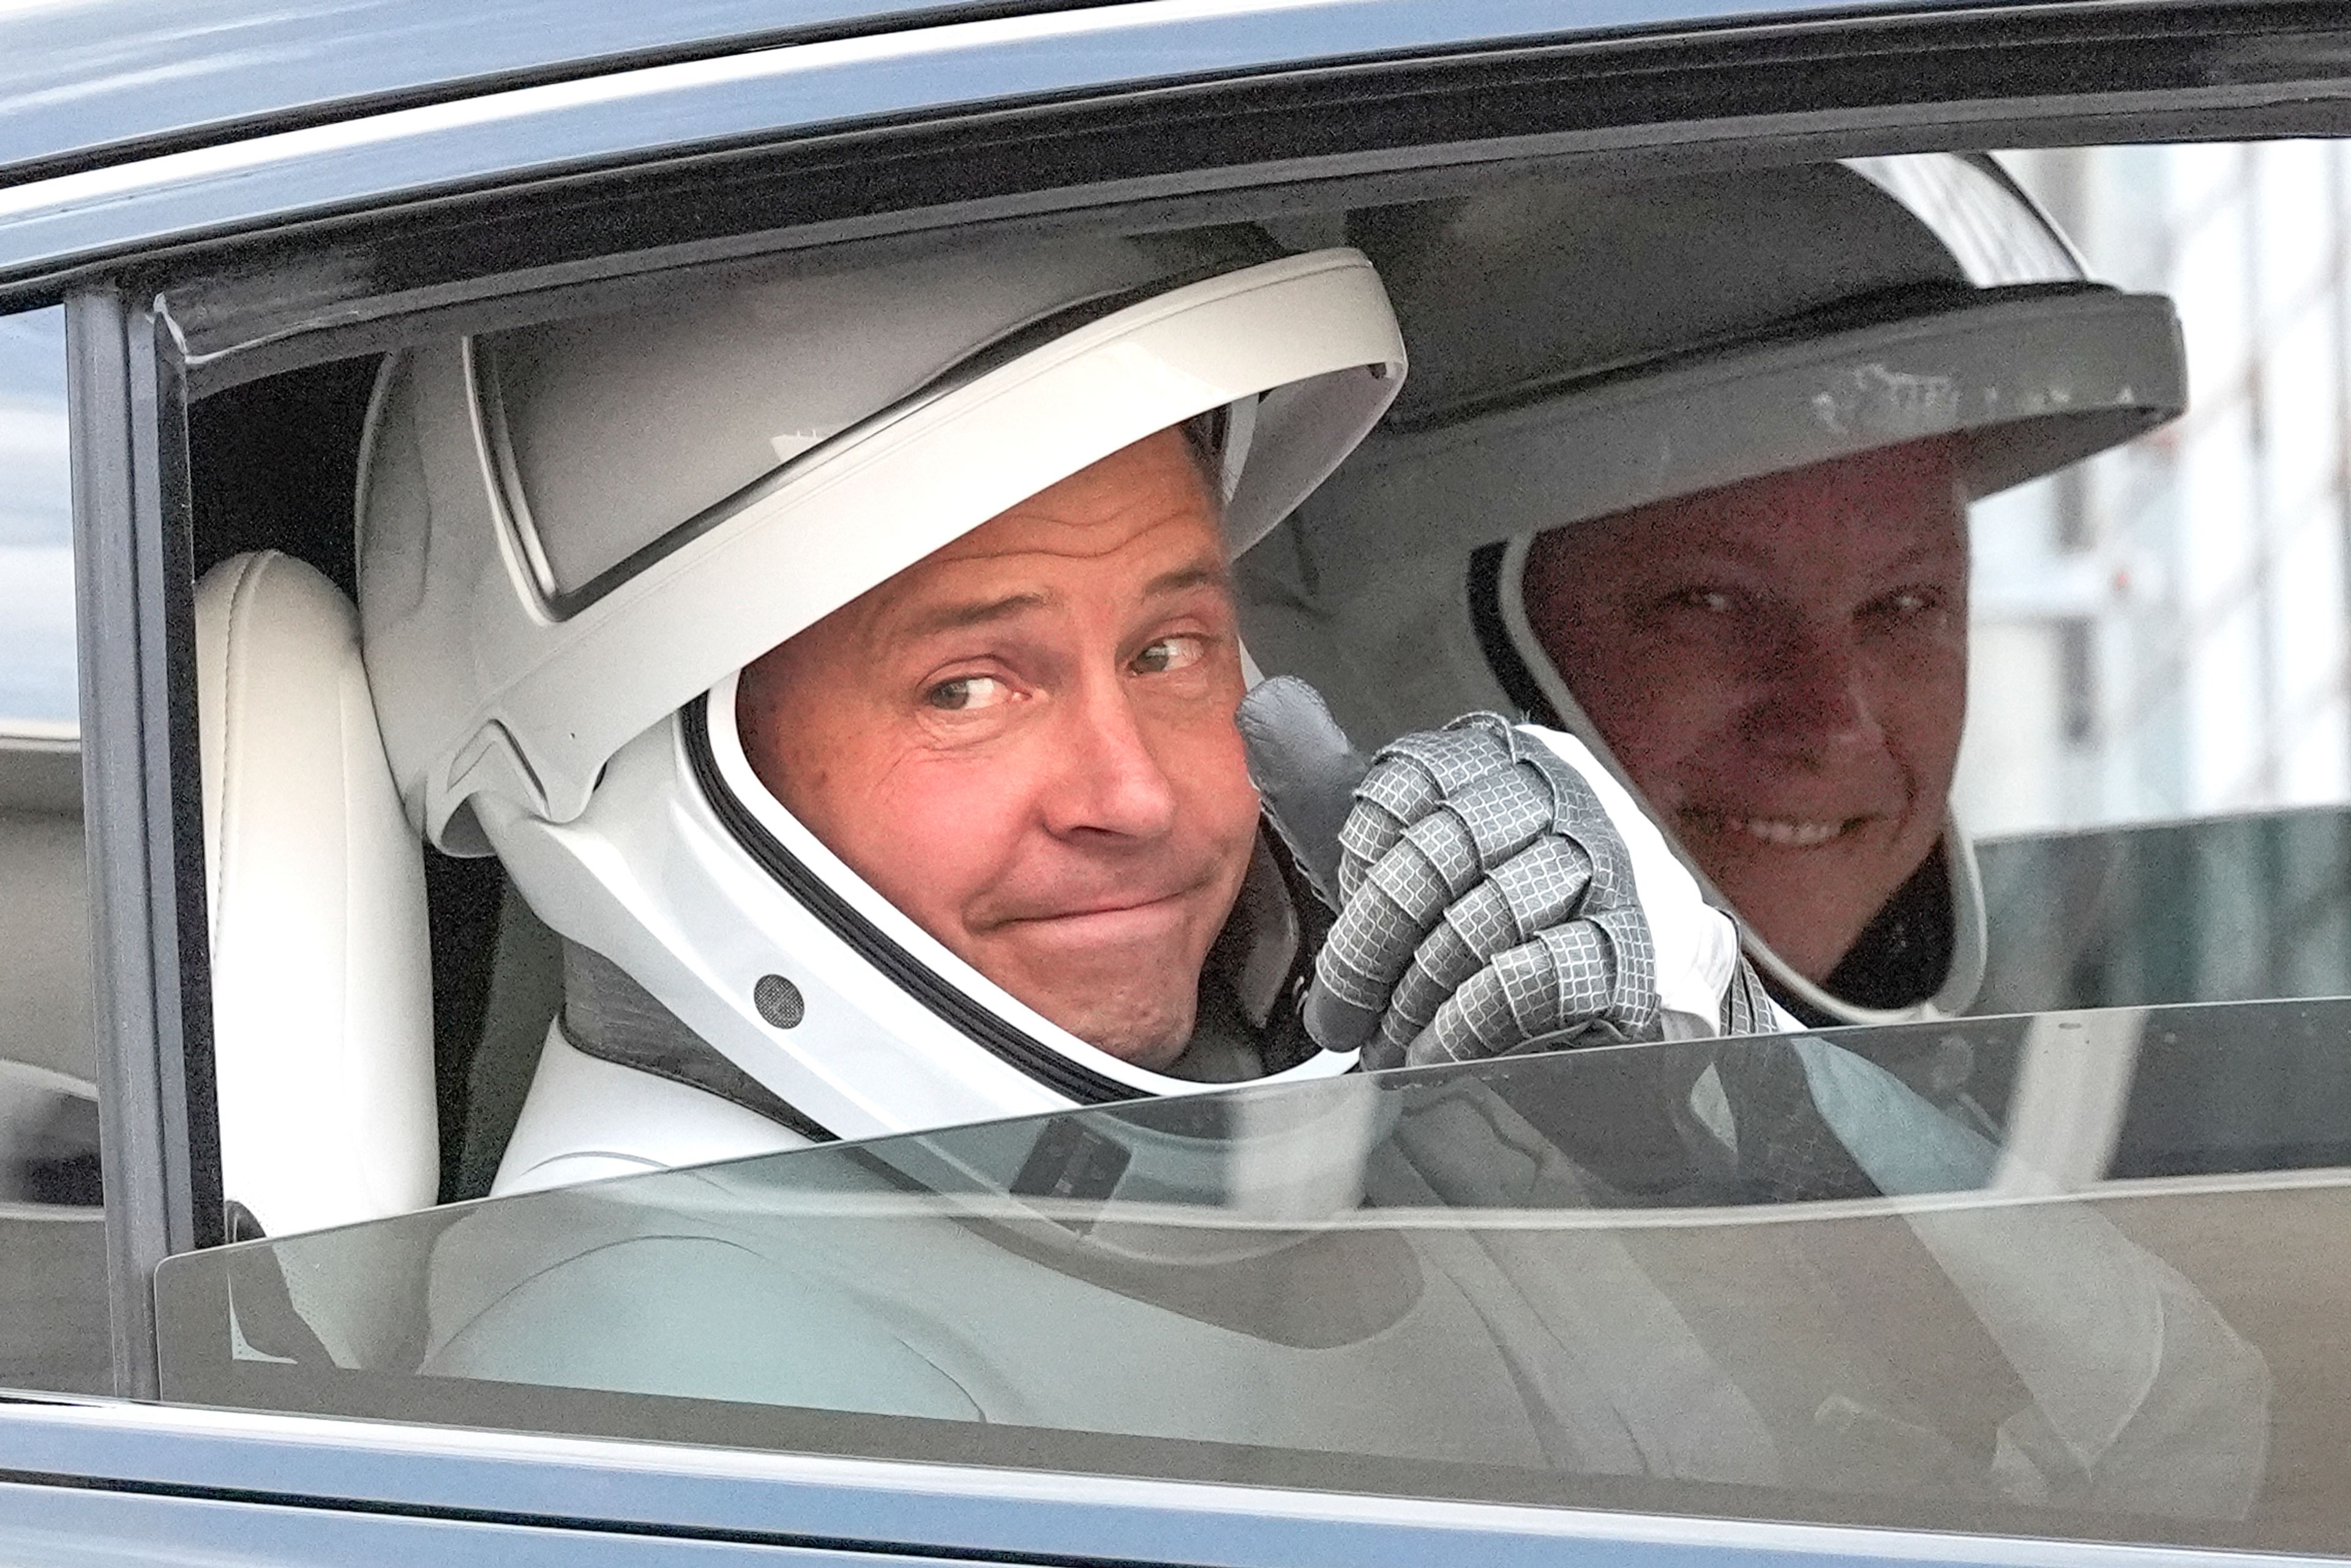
[[54, 1332], [2233, 908], [48, 1137], [1733, 1264], [36, 648]]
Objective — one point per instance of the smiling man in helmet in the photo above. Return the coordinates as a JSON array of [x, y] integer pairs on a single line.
[[1689, 463], [844, 664], [1026, 742], [1780, 664]]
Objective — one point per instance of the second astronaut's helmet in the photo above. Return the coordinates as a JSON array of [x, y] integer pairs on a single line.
[[574, 537], [1588, 352]]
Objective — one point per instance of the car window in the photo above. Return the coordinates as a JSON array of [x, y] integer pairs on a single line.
[[2114, 780], [1969, 1261], [1724, 1278], [2159, 781], [53, 1327], [2077, 739]]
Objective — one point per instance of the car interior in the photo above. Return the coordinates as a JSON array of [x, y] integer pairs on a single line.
[[354, 969], [494, 970]]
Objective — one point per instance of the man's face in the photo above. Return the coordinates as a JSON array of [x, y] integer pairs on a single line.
[[1782, 667], [1026, 742]]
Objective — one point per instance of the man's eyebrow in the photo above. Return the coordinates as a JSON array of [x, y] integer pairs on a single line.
[[1924, 553], [1183, 579], [972, 613], [982, 611]]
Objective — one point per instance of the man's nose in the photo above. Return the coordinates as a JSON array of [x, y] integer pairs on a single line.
[[1818, 695], [1107, 779]]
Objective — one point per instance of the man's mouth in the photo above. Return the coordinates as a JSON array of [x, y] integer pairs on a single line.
[[1780, 832], [1141, 902], [1111, 906]]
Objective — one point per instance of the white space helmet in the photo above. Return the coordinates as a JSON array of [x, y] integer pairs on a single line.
[[573, 537], [1582, 349]]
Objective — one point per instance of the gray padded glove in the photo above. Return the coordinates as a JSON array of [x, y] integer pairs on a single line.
[[1485, 902], [1486, 905]]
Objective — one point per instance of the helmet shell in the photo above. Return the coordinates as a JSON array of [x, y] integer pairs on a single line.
[[566, 532], [573, 538]]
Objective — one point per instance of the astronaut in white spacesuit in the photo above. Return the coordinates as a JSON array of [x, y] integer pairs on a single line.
[[1685, 465], [854, 686]]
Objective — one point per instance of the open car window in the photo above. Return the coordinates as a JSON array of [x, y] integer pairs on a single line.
[[1746, 1279], [2105, 764], [2020, 1260], [1388, 607]]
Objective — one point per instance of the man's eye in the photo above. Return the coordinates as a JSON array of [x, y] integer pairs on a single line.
[[1169, 654], [966, 693], [1904, 603]]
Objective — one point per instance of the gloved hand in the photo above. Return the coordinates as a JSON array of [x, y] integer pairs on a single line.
[[1485, 902]]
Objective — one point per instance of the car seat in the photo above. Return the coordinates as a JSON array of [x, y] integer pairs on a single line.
[[322, 996]]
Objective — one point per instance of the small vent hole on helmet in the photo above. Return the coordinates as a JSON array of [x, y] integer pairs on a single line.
[[779, 1001]]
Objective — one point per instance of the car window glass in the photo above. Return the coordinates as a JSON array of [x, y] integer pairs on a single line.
[[2072, 735], [53, 1320], [2160, 762], [1232, 1284], [1631, 1278]]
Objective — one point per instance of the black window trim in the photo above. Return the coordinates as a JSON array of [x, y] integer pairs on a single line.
[[1776, 90], [142, 808]]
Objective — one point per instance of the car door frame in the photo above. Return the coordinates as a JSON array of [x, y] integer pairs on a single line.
[[158, 1483], [142, 814]]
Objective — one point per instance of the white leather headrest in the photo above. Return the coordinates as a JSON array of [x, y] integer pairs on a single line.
[[322, 994]]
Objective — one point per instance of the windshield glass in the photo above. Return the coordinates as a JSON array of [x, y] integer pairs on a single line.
[[2076, 1274]]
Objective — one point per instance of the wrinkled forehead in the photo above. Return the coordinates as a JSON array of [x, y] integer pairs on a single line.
[[1850, 515], [1164, 480], [1141, 526]]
